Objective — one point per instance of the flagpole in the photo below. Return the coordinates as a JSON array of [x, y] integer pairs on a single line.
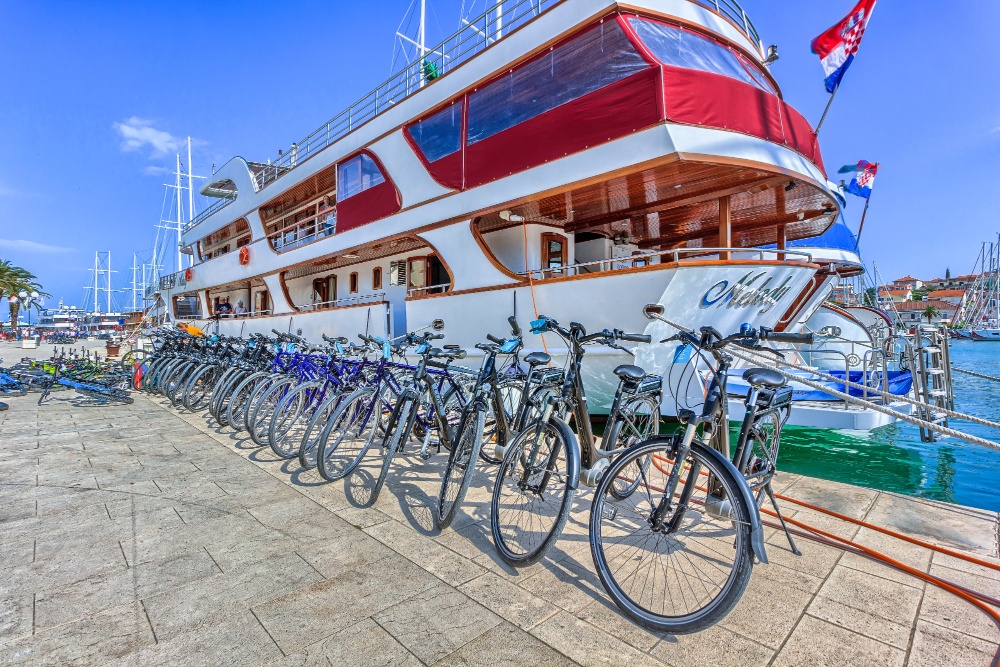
[[857, 239], [827, 109]]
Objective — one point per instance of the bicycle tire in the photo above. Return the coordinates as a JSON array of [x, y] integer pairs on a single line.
[[220, 394], [461, 467], [513, 545], [198, 386], [286, 413], [240, 398], [349, 434], [177, 383], [396, 436], [731, 534], [260, 385], [260, 419], [623, 435], [310, 439]]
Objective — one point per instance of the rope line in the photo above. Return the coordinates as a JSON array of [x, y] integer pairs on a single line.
[[974, 374], [751, 357]]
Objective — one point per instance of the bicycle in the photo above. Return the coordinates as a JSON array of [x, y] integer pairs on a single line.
[[545, 464], [676, 553]]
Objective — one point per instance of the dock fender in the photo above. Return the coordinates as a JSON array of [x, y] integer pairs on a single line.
[[572, 451], [756, 530]]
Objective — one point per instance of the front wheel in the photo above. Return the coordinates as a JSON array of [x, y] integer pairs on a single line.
[[533, 492], [461, 466], [396, 436], [674, 564]]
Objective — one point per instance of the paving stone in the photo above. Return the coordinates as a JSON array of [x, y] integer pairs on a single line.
[[517, 605], [816, 642], [934, 646], [89, 641], [947, 525], [587, 645], [436, 622], [16, 616], [297, 619], [364, 644], [441, 561], [506, 645], [945, 609], [874, 597]]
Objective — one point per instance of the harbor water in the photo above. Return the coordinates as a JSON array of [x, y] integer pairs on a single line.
[[893, 458]]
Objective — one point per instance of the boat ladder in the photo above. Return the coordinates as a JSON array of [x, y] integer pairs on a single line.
[[931, 365]]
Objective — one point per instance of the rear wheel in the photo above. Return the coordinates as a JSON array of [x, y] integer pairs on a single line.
[[260, 419], [291, 415], [639, 421], [349, 434], [396, 437], [461, 467]]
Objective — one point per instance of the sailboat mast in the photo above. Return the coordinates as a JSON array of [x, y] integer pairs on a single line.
[[190, 184], [180, 224]]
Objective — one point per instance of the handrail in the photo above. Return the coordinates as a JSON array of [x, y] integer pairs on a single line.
[[676, 252], [374, 297], [211, 210], [428, 289], [475, 36]]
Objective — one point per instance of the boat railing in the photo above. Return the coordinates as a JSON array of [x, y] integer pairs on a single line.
[[428, 289], [468, 41], [663, 256], [210, 211], [375, 297], [732, 11]]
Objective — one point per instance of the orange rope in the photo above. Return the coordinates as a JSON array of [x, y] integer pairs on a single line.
[[531, 282]]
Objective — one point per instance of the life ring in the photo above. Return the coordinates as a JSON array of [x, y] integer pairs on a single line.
[[244, 255], [188, 274]]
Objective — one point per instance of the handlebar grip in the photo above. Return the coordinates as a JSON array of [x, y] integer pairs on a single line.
[[514, 328], [636, 338], [435, 336], [781, 337], [494, 339]]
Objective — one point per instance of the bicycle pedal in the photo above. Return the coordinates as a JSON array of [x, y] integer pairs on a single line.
[[610, 513], [425, 455]]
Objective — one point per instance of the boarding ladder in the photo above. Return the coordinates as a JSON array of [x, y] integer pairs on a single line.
[[931, 365]]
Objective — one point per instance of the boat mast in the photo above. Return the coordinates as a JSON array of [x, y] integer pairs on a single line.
[[191, 178], [180, 225]]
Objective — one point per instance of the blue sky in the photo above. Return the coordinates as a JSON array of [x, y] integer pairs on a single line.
[[95, 98]]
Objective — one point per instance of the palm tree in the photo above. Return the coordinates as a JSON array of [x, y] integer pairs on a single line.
[[930, 312], [14, 279]]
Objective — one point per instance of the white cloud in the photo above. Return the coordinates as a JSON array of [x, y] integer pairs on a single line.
[[32, 246], [137, 133], [153, 170]]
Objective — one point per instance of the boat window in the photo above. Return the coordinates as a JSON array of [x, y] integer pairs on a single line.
[[357, 175], [441, 134], [553, 251], [672, 45], [418, 272], [354, 283], [589, 62]]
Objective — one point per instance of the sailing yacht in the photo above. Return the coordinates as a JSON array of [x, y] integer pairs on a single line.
[[572, 158]]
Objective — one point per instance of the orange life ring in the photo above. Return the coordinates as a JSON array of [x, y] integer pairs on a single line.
[[188, 274], [244, 255]]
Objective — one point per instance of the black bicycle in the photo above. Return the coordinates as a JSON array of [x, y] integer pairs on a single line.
[[676, 553]]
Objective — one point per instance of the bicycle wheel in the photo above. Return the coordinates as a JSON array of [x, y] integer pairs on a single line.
[[129, 358], [349, 433], [510, 390], [461, 467], [689, 572], [638, 420], [292, 408], [532, 495], [223, 392], [259, 383], [259, 423], [307, 432], [198, 389], [395, 438]]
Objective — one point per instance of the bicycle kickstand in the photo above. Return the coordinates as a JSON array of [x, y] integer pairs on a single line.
[[777, 510]]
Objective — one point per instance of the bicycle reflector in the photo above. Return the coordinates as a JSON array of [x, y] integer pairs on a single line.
[[509, 346]]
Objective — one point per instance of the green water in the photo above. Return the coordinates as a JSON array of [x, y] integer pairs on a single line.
[[893, 458]]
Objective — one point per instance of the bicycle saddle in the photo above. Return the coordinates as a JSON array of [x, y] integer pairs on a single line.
[[537, 358], [764, 377], [630, 373]]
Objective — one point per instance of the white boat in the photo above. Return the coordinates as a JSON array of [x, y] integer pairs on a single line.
[[576, 159]]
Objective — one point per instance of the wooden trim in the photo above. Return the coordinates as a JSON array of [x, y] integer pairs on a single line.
[[796, 308], [725, 227], [284, 288], [353, 282], [376, 272], [546, 238]]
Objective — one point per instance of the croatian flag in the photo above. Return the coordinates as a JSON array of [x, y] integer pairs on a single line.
[[864, 177], [837, 46]]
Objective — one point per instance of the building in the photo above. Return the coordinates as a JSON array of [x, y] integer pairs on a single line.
[[952, 296], [894, 294], [908, 283], [911, 313], [949, 283]]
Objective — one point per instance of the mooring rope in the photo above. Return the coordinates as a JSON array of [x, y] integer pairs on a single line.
[[756, 358], [974, 374]]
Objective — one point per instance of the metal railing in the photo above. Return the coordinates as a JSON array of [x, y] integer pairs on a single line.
[[471, 39], [375, 297], [211, 210], [620, 263], [429, 289], [732, 11]]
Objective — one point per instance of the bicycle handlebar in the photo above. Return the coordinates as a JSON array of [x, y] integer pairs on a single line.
[[782, 337], [494, 339], [634, 338]]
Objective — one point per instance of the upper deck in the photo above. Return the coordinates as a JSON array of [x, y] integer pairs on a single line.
[[488, 30]]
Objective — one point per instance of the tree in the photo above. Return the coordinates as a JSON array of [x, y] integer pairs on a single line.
[[930, 312], [14, 279], [871, 297]]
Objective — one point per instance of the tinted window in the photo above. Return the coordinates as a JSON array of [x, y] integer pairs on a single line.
[[682, 48], [441, 134], [357, 175], [595, 59]]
